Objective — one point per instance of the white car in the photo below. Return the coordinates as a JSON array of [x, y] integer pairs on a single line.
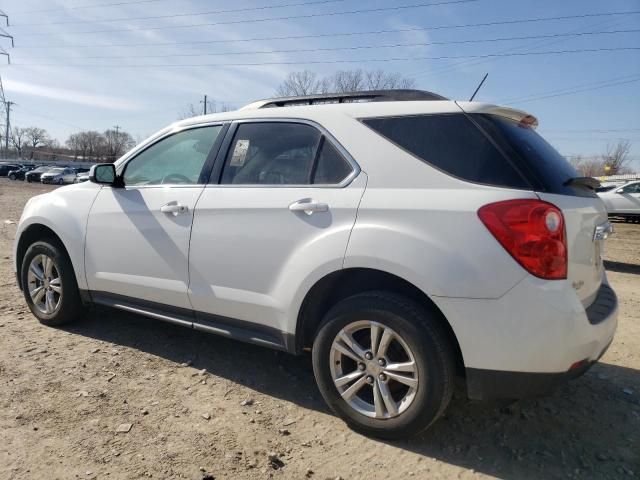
[[402, 237], [59, 176], [623, 201], [82, 177]]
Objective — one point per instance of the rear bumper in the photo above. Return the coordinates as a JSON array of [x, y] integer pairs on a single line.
[[496, 384], [526, 342]]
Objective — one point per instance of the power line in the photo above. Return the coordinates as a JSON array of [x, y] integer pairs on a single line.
[[31, 112], [338, 34], [179, 15], [335, 49], [529, 47], [79, 7], [329, 62], [273, 19], [597, 130], [576, 89]]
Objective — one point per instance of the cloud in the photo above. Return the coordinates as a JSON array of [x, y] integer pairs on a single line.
[[70, 96]]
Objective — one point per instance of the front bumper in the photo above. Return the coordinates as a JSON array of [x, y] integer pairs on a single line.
[[532, 339]]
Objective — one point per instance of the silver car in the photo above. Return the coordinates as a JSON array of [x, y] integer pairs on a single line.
[[59, 176]]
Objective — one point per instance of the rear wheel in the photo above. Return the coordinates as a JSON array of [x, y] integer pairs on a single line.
[[12, 177], [49, 284], [383, 364]]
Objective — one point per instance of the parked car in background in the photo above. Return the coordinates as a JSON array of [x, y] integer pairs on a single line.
[[19, 173], [623, 201], [59, 176], [606, 186], [5, 168], [388, 232], [82, 177], [34, 175]]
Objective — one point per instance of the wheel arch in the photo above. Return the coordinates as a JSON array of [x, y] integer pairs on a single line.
[[31, 234], [344, 283]]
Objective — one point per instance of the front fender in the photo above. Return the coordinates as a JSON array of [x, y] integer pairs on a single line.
[[65, 212]]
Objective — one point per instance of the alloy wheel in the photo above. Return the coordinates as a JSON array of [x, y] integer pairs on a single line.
[[373, 369], [44, 284]]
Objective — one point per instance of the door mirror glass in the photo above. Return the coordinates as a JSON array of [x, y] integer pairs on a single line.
[[104, 173]]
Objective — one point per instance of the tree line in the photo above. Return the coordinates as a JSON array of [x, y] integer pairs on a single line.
[[615, 161], [87, 145]]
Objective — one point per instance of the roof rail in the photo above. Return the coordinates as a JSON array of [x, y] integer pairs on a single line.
[[348, 97]]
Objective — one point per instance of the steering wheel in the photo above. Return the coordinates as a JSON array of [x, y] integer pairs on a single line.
[[175, 178]]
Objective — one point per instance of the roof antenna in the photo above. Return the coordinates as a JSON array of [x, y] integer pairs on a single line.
[[474, 93]]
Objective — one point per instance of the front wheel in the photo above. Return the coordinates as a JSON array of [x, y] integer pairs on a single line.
[[384, 364], [49, 284], [12, 177]]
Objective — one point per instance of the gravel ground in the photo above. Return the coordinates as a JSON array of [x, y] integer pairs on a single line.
[[201, 407]]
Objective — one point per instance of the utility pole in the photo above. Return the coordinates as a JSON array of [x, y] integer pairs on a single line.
[[115, 149], [8, 127], [204, 103]]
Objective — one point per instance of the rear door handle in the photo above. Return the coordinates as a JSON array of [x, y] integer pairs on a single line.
[[174, 208], [308, 206]]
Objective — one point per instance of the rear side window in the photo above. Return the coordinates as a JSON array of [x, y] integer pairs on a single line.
[[453, 144], [282, 153], [547, 170]]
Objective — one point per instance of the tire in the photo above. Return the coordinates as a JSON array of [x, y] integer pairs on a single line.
[[68, 305], [12, 177], [418, 406]]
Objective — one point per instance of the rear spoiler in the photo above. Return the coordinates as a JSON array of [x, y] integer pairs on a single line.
[[510, 113]]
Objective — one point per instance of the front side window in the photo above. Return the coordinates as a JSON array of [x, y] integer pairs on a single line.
[[177, 159], [282, 153]]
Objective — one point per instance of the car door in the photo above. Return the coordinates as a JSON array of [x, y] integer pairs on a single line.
[[627, 199], [279, 212], [137, 239], [69, 175]]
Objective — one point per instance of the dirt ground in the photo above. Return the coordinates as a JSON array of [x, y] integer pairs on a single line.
[[205, 407]]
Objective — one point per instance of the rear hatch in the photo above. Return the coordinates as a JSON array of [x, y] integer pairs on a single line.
[[555, 181]]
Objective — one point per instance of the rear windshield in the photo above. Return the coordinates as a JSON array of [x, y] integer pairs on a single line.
[[547, 170], [453, 144]]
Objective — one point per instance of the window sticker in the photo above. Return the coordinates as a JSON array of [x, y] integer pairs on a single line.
[[239, 153]]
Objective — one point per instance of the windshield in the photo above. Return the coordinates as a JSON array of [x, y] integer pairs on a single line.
[[56, 170]]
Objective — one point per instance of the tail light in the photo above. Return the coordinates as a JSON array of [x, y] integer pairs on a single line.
[[533, 233]]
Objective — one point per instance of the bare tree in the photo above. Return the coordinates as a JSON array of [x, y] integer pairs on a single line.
[[588, 167], [191, 110], [616, 158], [35, 136], [17, 139], [116, 143], [299, 83], [347, 81], [381, 80], [308, 83]]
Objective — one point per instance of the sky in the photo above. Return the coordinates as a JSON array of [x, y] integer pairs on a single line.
[[94, 64]]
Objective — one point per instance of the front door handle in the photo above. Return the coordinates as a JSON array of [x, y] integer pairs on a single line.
[[308, 206], [174, 208]]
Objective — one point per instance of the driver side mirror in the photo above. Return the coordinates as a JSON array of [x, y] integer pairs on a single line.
[[105, 174]]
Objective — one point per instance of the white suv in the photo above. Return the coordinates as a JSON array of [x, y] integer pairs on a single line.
[[402, 237]]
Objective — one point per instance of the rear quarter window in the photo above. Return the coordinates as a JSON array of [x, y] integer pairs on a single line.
[[451, 143]]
